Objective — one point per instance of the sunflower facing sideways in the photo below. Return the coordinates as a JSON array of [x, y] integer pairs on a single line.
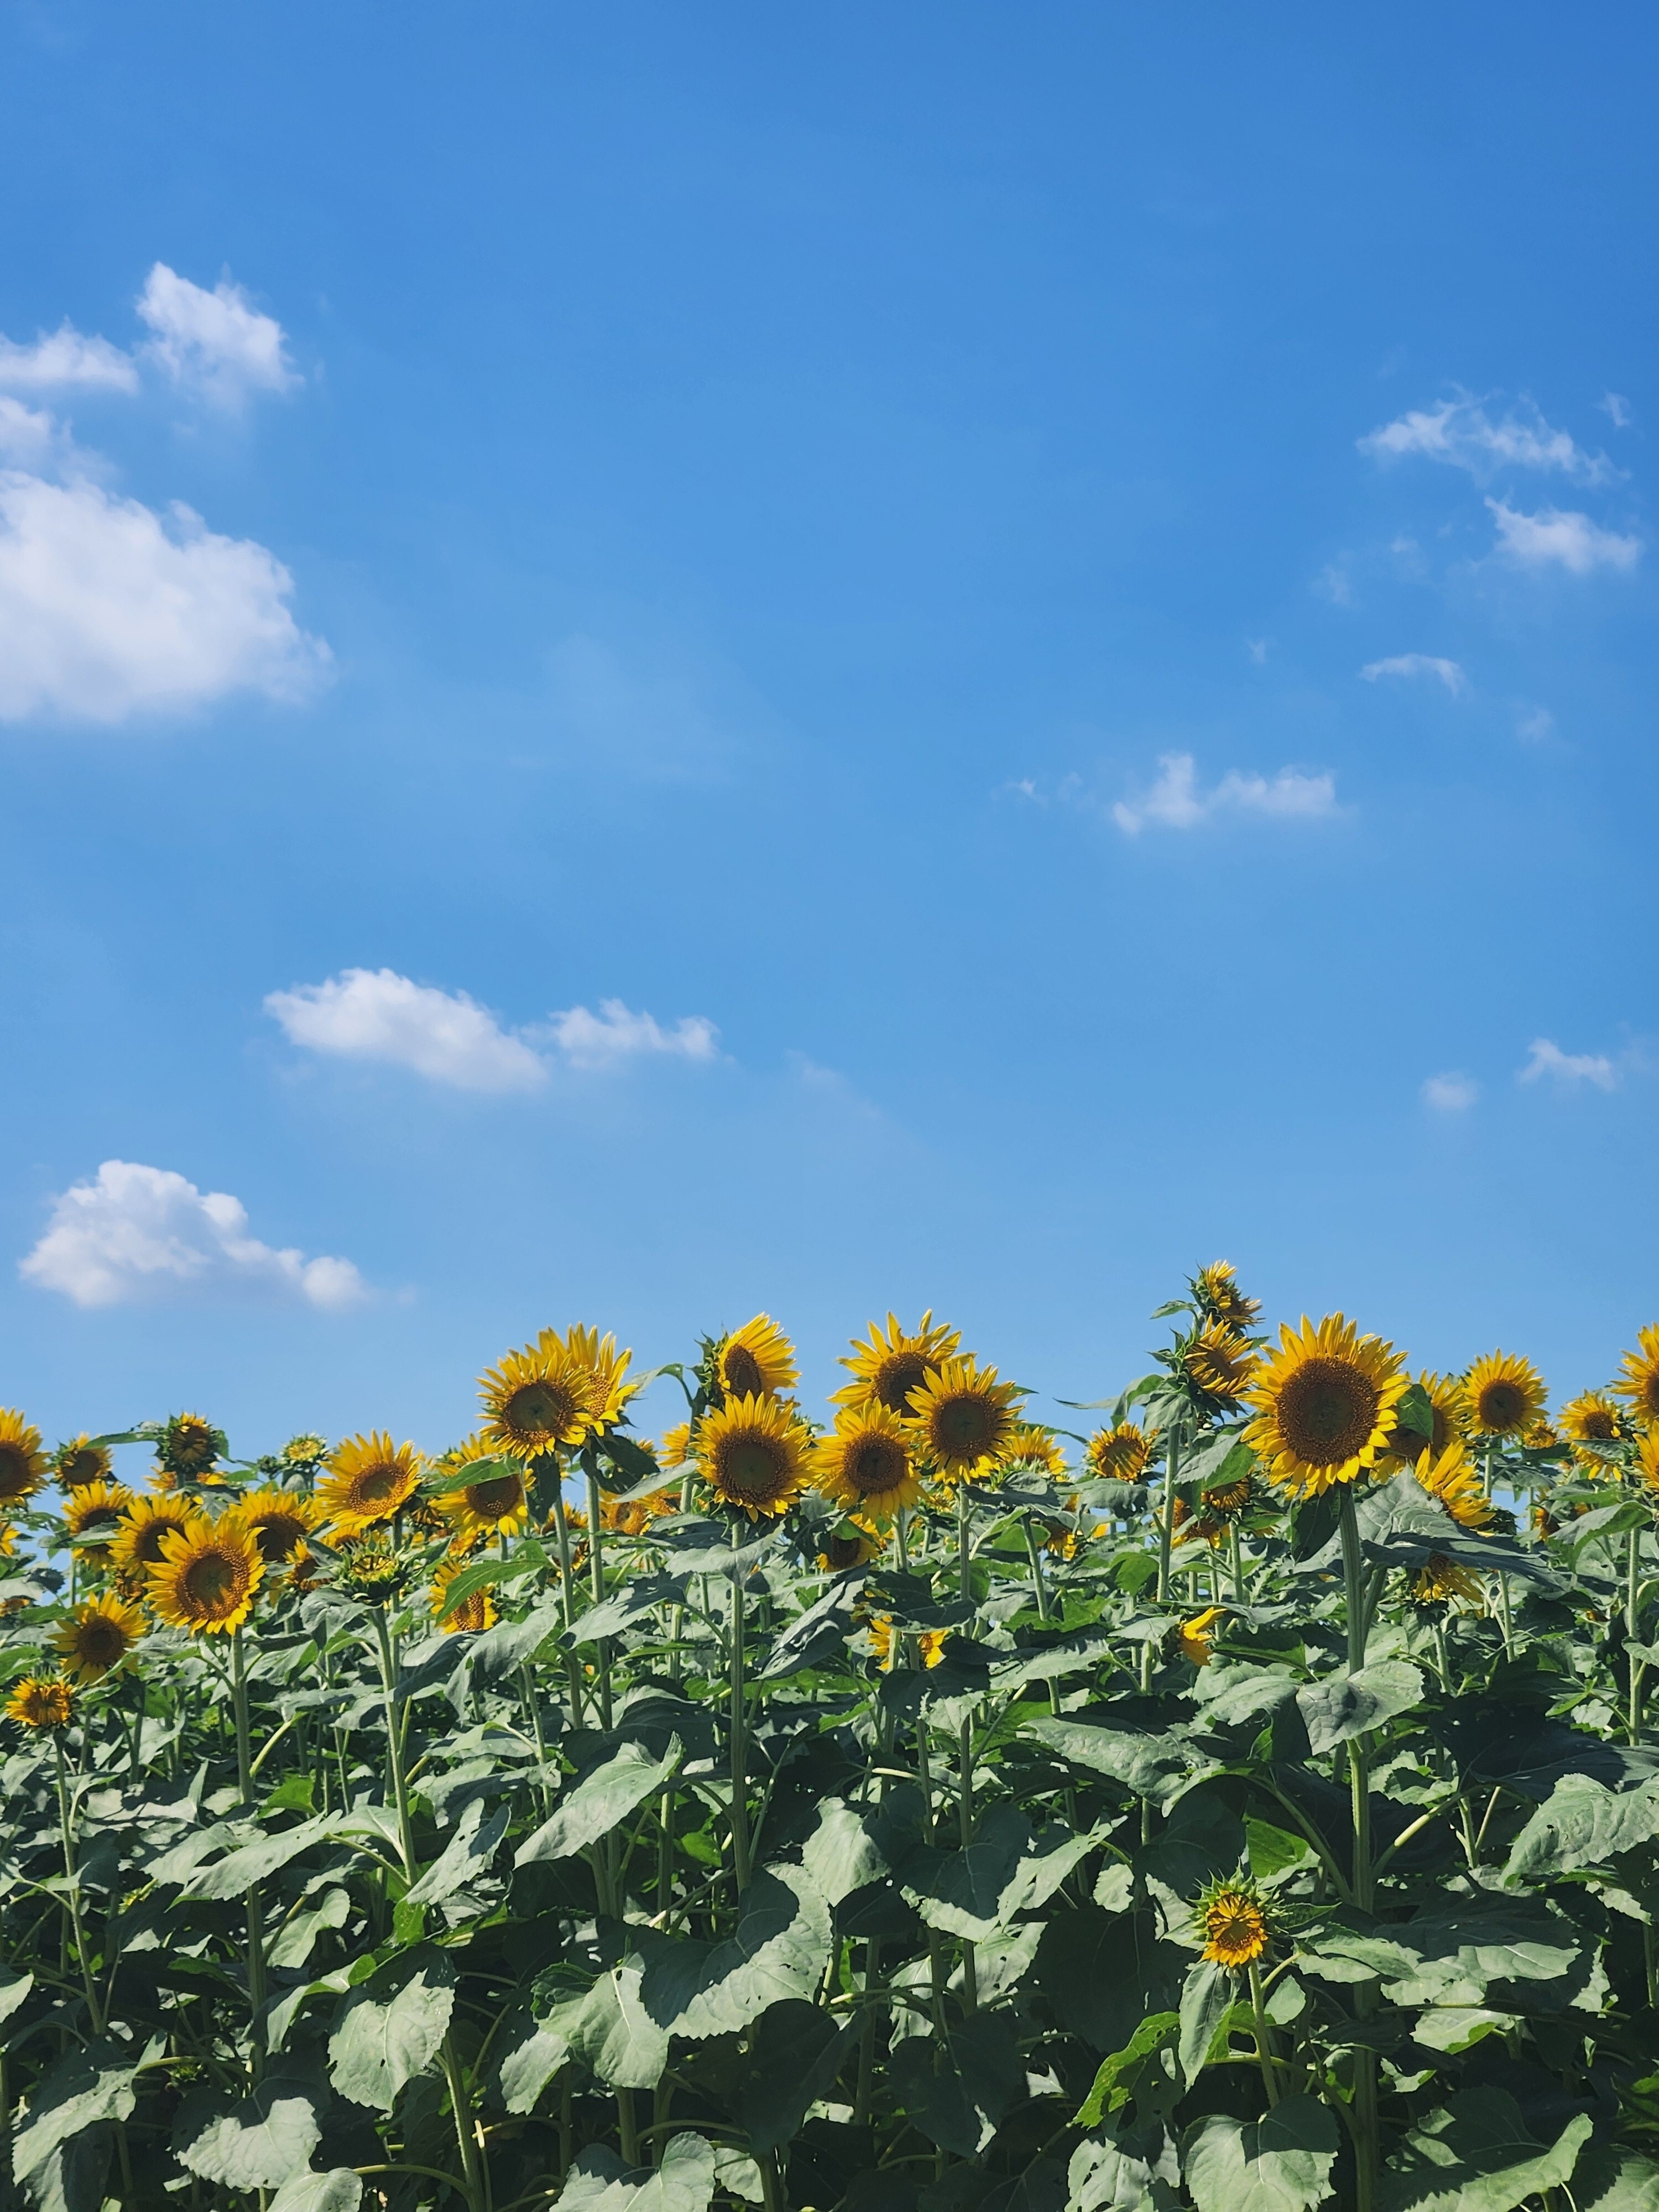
[[279, 1520], [1591, 1417], [369, 1479], [1033, 1450], [40, 1701], [961, 1418], [494, 1506], [1217, 1363], [755, 1361], [1324, 1404], [1455, 1483], [1647, 1458], [209, 1573], [138, 1545], [1448, 1417], [477, 1612], [896, 1362], [607, 1366], [1118, 1454], [1639, 1378], [541, 1399], [1505, 1393], [80, 1462], [22, 1462], [753, 1453], [864, 1464], [1217, 1297], [94, 1512], [98, 1638], [188, 1450]]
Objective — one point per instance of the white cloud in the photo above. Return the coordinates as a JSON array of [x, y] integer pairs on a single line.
[[1257, 649], [614, 1034], [1418, 664], [64, 357], [1334, 583], [29, 438], [216, 343], [1175, 801], [377, 1014], [107, 612], [136, 1234], [1546, 1057], [1452, 1092], [1551, 535], [1617, 408], [1535, 725], [1460, 432]]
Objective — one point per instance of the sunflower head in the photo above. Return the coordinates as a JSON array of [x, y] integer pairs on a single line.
[[1195, 1636], [1441, 1583], [80, 1462], [539, 1400], [675, 1449], [138, 1545], [1235, 1923], [496, 1504], [887, 1645], [1591, 1419], [1638, 1377], [1034, 1449], [209, 1574], [369, 1481], [97, 1637], [1118, 1455], [1217, 1297], [1216, 1363], [850, 1546], [894, 1362], [1229, 1501], [962, 1418], [634, 1518], [864, 1464], [22, 1462], [303, 1455], [1505, 1394], [1451, 1479], [41, 1701], [755, 1361], [1647, 1457], [93, 1513], [1448, 1419], [1324, 1403], [190, 1448], [753, 1453], [475, 1613], [279, 1520], [376, 1570], [606, 1366]]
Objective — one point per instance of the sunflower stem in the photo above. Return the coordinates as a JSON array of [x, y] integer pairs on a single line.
[[256, 1932], [740, 1726], [573, 1664], [1355, 1580], [964, 1545], [72, 1887], [1166, 1512], [1632, 1605], [1236, 1554], [1264, 2043], [596, 1583]]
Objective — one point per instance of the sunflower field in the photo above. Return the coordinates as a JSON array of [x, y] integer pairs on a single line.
[[1244, 1801]]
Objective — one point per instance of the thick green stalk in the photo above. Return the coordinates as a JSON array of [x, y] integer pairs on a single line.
[[1355, 1580], [1166, 1510], [740, 1726], [1263, 2036], [568, 1598], [72, 1890], [256, 1932], [596, 1584], [1633, 1604], [964, 1544]]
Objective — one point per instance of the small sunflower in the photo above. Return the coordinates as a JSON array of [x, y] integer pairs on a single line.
[[1441, 1582], [961, 1417], [1218, 1297], [1505, 1392], [894, 1362], [93, 1512], [1324, 1404], [634, 1518], [755, 1361], [41, 1701], [1193, 1530], [1591, 1417], [539, 1400], [864, 1464], [304, 1455], [1647, 1457], [98, 1638], [305, 1570], [1638, 1382], [22, 1462], [137, 1544], [1217, 1364], [1069, 1540], [1229, 1501], [675, 1449], [1195, 1636], [1032, 1447], [854, 1549], [1450, 1414], [279, 1520], [208, 1575], [1118, 1454], [477, 1612], [1233, 1919], [80, 1462], [376, 1570], [189, 1449], [369, 1479], [607, 1366], [496, 1504], [886, 1645], [1544, 1522], [753, 1453], [1541, 1437], [1457, 1484]]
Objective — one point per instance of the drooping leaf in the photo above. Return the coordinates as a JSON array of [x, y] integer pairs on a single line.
[[1582, 1825], [1207, 1995], [1476, 2155], [1153, 1767], [259, 2141], [339, 2190], [389, 2027], [1280, 2163], [532, 2053], [608, 2028], [1105, 2177], [780, 1950], [86, 2086], [1612, 2178], [1343, 1706], [795, 2053], [1156, 2029], [466, 1856], [684, 2182], [962, 1892], [600, 1803]]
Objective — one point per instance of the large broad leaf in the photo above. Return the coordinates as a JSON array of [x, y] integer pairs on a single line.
[[795, 2052], [841, 1854], [1400, 1525], [1104, 2178], [684, 2182], [600, 1803], [1207, 1995], [13, 1988], [466, 1856], [610, 2029], [337, 2191], [1153, 1767], [1280, 2163], [1450, 1958], [84, 2087], [532, 2053], [258, 2143], [780, 1949], [391, 2027], [1343, 1706], [1610, 2177], [962, 1892], [1476, 2155], [1583, 1825], [1230, 1695], [500, 1650], [819, 1635], [1101, 1974], [956, 2093], [244, 1869]]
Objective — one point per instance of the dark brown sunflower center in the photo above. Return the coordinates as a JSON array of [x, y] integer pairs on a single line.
[[966, 1428], [1235, 1927], [741, 1372], [16, 1475], [148, 1544], [1598, 1423], [540, 1409], [1649, 1390], [1502, 1406], [100, 1516], [1231, 1497], [843, 1552], [896, 1377], [877, 1463], [212, 1582], [80, 1467], [100, 1643], [190, 1446], [278, 1534], [373, 1486], [495, 1499], [753, 1467], [1327, 1411]]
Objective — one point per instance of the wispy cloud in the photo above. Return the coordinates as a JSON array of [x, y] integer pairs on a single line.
[[135, 1234], [1452, 1092], [1460, 432], [1569, 1069], [1334, 583], [217, 344], [1617, 408], [65, 358], [1557, 538], [1418, 664], [1258, 647], [1177, 801], [614, 1035], [1536, 723]]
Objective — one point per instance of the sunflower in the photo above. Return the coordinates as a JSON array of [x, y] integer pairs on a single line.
[[675, 1449], [840, 1552], [475, 1613], [496, 1504], [755, 1361], [95, 1510], [376, 1570], [1217, 1363], [8, 1540], [1506, 1394], [1448, 1417], [279, 1520], [1324, 1404], [1455, 1484], [1195, 1636], [1033, 1447], [886, 1645], [98, 1638], [1118, 1454], [22, 1462], [1647, 1457], [39, 1701], [539, 1398], [369, 1479], [1069, 1540], [864, 1464], [896, 1362], [1591, 1417], [1541, 1437], [189, 1448], [1640, 1377], [961, 1417], [304, 1455], [1229, 1501], [753, 1453], [607, 1366], [1441, 1581], [209, 1574], [137, 1543], [1216, 1291], [80, 1462], [634, 1518], [1232, 1918]]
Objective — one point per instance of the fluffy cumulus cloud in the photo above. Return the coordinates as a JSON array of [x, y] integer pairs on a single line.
[[135, 1235], [1460, 432], [1178, 801], [216, 343], [1452, 1092], [1557, 538], [376, 1014], [1544, 1058], [62, 358], [1418, 664]]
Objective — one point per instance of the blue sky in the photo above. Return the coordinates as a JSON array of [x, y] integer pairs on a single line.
[[656, 662]]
